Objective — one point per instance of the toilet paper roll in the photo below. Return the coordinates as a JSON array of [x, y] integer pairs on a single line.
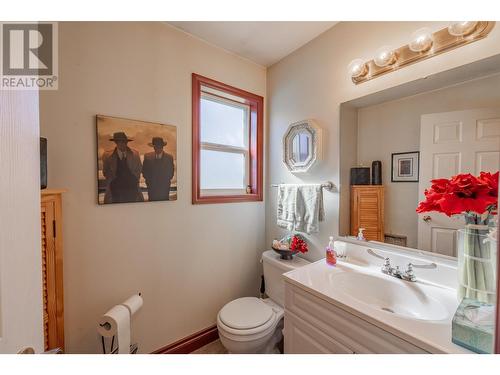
[[116, 322], [133, 304]]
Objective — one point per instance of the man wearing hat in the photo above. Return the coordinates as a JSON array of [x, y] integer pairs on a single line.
[[158, 171], [122, 169]]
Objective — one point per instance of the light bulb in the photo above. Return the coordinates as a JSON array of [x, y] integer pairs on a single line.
[[384, 56], [421, 40], [462, 28], [357, 68]]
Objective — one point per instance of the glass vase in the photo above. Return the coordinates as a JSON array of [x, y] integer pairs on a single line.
[[477, 253]]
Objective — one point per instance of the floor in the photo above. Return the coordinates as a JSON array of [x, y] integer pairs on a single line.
[[215, 347]]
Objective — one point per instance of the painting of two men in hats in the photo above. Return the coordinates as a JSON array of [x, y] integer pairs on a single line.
[[131, 169], [158, 170]]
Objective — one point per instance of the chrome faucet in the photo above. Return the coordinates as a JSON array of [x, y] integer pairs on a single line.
[[407, 275]]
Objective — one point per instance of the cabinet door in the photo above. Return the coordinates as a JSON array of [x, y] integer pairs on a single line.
[[302, 338], [48, 272], [52, 292], [319, 323], [367, 211]]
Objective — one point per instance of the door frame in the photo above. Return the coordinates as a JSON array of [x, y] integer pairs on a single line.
[[497, 323]]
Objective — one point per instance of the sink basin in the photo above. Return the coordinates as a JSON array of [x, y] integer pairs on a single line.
[[391, 295]]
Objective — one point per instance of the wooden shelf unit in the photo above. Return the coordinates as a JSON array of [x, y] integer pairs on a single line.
[[367, 211]]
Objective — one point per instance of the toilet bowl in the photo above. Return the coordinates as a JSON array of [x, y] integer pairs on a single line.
[[249, 325], [254, 325]]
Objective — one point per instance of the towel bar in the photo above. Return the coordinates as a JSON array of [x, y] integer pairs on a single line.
[[327, 185]]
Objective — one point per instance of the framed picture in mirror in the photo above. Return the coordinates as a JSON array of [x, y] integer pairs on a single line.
[[405, 166]]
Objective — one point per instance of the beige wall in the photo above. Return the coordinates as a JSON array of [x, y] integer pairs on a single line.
[[188, 261], [20, 256], [348, 143], [395, 127], [312, 82]]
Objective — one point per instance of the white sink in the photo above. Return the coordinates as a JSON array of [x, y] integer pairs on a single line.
[[391, 295], [419, 312]]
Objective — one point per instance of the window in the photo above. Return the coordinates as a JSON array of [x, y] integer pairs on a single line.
[[227, 143]]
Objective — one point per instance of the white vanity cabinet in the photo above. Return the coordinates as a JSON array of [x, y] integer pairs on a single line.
[[315, 326]]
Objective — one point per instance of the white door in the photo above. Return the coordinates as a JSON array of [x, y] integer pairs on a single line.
[[453, 143], [21, 319]]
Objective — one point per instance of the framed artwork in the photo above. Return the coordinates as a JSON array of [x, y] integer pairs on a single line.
[[405, 166], [136, 161]]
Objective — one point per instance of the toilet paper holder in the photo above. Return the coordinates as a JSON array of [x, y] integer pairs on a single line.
[[133, 347], [106, 326], [112, 349]]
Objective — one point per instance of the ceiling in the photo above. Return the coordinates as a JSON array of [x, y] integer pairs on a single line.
[[264, 43]]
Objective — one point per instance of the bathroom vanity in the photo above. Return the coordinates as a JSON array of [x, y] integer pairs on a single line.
[[354, 307]]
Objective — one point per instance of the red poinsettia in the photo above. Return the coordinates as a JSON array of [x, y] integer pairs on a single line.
[[298, 244], [491, 180], [462, 193]]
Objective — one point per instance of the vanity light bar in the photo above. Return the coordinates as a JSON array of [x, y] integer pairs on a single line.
[[442, 41]]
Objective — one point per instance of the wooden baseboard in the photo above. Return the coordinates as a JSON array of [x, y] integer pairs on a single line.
[[191, 343]]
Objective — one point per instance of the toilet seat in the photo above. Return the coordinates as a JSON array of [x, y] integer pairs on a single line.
[[245, 313], [270, 315]]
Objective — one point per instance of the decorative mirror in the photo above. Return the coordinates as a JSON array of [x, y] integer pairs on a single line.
[[301, 145]]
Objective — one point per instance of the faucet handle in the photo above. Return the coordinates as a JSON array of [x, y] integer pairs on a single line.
[[409, 274], [387, 268]]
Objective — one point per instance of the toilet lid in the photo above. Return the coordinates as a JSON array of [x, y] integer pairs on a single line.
[[245, 313]]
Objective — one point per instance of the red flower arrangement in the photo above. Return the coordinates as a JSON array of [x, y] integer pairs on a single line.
[[298, 244], [463, 193]]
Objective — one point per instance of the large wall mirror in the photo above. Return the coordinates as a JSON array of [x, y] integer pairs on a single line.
[[436, 127]]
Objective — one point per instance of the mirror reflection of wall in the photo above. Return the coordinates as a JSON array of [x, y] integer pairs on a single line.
[[300, 144], [443, 132]]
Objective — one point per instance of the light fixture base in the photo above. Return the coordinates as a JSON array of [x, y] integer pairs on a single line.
[[442, 41]]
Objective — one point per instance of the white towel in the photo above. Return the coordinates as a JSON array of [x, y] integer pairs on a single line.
[[309, 208], [300, 207], [287, 199]]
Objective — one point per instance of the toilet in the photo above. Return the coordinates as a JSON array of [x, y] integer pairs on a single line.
[[254, 325]]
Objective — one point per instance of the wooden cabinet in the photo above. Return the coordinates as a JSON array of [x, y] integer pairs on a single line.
[[367, 211], [52, 269]]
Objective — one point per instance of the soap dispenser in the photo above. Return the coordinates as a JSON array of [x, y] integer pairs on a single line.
[[361, 236], [331, 256]]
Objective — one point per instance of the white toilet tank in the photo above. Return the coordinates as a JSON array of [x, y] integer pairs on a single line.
[[274, 268]]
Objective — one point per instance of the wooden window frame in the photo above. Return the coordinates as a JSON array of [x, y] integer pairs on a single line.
[[256, 137]]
